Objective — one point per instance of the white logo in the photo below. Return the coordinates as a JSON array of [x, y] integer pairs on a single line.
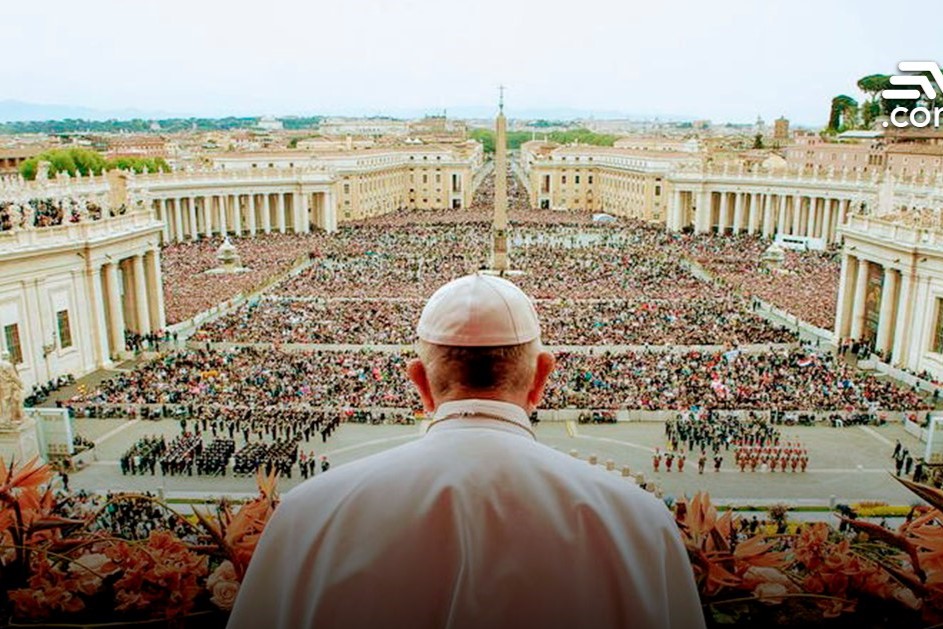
[[914, 79], [920, 87]]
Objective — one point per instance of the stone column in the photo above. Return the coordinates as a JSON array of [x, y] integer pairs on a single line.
[[252, 223], [738, 211], [922, 312], [236, 213], [754, 214], [861, 292], [845, 296], [902, 321], [827, 220], [724, 214], [98, 318], [267, 213], [767, 216], [304, 216], [164, 220], [178, 219], [796, 214], [281, 212], [810, 219], [886, 321], [330, 212], [223, 226], [142, 315], [115, 309], [702, 214], [208, 215], [194, 234], [781, 222], [155, 290]]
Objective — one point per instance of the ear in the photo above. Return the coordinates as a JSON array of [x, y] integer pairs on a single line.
[[546, 362], [417, 373]]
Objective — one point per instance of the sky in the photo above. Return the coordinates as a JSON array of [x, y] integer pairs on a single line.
[[728, 60]]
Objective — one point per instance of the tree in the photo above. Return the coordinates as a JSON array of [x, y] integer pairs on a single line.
[[843, 114], [87, 162], [758, 141]]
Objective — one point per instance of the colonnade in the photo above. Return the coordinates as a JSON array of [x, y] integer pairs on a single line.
[[889, 305], [201, 215], [764, 212], [126, 295]]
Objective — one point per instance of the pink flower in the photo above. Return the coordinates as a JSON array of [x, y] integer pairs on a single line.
[[224, 594], [223, 584], [224, 572]]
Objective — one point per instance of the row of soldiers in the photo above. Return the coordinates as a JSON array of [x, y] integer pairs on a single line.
[[791, 457], [670, 457]]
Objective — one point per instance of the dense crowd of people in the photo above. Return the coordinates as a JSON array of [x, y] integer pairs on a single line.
[[256, 379], [806, 286], [702, 321], [190, 290]]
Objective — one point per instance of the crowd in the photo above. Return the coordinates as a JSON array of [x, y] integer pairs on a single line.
[[700, 321], [189, 290], [796, 379], [806, 286], [269, 380], [128, 516], [41, 392]]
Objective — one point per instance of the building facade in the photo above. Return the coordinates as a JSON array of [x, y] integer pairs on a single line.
[[69, 294], [621, 181], [891, 291]]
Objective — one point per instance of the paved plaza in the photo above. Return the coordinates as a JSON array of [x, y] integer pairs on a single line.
[[850, 463]]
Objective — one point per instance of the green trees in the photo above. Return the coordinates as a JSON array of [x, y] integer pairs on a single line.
[[843, 114], [86, 161], [516, 138]]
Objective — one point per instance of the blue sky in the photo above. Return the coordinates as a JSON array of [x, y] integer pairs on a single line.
[[723, 60]]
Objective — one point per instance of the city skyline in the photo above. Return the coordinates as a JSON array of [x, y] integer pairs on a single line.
[[727, 62]]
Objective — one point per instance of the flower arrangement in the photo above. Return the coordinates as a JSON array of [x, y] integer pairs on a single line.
[[56, 569], [871, 577]]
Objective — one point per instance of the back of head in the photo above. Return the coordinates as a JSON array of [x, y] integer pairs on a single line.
[[479, 336]]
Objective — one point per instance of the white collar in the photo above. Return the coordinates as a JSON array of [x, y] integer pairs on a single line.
[[478, 412]]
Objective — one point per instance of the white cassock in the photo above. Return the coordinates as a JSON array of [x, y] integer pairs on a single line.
[[473, 525]]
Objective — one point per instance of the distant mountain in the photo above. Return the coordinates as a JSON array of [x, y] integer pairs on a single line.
[[18, 111]]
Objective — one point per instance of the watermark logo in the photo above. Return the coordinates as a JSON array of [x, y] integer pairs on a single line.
[[915, 87]]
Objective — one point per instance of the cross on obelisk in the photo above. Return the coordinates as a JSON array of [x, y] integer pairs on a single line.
[[499, 246]]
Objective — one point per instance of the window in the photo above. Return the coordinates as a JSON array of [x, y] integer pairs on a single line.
[[577, 179], [563, 179], [346, 188], [11, 334], [65, 331], [590, 180]]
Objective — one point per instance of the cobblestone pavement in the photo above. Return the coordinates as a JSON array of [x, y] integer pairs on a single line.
[[849, 464]]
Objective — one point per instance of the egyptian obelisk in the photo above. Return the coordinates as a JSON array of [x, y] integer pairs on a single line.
[[499, 246]]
